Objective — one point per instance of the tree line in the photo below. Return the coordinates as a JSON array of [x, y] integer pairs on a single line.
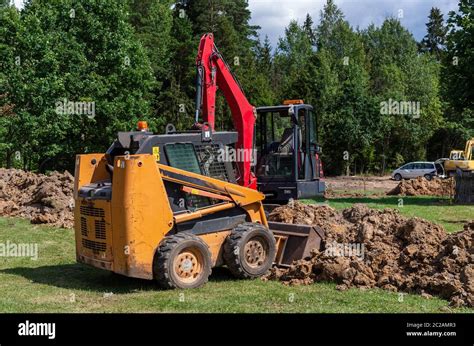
[[73, 73]]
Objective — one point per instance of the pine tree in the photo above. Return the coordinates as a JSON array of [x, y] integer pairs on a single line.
[[435, 39], [264, 55], [152, 21], [259, 88], [308, 29], [293, 61], [235, 38], [330, 16], [176, 99]]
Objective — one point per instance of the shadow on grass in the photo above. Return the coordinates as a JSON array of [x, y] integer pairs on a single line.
[[221, 274], [391, 200], [78, 276]]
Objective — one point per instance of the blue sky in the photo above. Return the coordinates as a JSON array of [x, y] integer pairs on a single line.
[[274, 15]]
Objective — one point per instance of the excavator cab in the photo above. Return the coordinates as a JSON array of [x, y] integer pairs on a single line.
[[460, 160], [288, 164]]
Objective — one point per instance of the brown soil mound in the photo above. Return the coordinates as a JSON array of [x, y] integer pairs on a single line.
[[422, 187], [38, 197], [381, 248]]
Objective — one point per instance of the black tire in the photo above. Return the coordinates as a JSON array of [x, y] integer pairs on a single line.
[[249, 250], [428, 177], [397, 177], [175, 255]]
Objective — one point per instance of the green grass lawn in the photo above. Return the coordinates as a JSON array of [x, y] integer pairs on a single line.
[[55, 283]]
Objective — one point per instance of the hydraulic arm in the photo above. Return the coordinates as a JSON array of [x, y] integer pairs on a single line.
[[213, 73]]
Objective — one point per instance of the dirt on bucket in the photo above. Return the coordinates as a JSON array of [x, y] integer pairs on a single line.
[[368, 248], [38, 197], [423, 187]]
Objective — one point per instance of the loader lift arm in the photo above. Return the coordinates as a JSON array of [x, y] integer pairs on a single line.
[[293, 241], [230, 195], [214, 73]]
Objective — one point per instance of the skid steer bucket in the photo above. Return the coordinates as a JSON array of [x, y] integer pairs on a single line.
[[295, 242]]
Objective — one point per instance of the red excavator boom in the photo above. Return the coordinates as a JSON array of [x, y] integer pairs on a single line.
[[213, 73]]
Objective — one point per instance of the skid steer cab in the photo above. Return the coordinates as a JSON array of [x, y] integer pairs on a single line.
[[140, 214], [288, 162]]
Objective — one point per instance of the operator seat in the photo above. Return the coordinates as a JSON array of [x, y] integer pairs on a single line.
[[286, 142]]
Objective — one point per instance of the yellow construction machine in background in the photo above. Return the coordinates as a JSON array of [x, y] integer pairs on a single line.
[[462, 160]]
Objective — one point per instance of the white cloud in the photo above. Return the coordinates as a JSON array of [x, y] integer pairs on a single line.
[[274, 15], [19, 3]]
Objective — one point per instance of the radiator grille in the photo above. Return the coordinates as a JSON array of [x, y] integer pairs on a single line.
[[91, 211], [100, 229], [94, 245], [84, 226]]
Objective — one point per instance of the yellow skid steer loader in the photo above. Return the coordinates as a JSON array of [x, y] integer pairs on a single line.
[[155, 207]]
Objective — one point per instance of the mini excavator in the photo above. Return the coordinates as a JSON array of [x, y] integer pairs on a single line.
[[287, 164]]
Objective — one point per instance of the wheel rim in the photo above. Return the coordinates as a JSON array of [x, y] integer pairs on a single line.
[[255, 252], [188, 265]]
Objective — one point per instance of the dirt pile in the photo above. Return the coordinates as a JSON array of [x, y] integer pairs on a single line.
[[422, 187], [38, 197], [380, 248]]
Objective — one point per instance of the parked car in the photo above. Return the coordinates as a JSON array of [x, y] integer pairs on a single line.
[[418, 169]]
